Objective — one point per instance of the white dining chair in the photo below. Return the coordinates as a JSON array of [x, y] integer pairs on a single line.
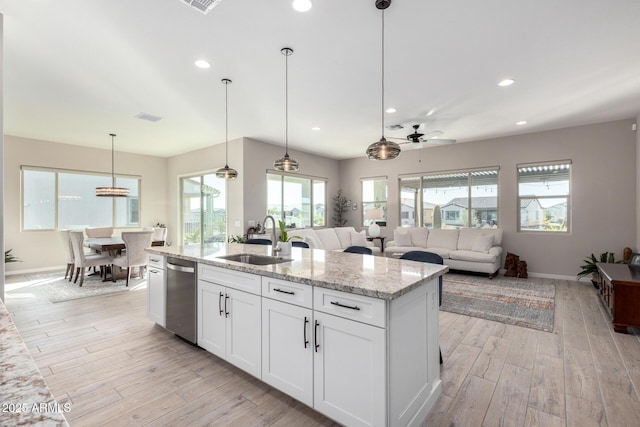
[[135, 256], [99, 231], [68, 251], [159, 235], [82, 260]]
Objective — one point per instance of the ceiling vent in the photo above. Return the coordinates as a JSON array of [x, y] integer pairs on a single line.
[[203, 6], [149, 117]]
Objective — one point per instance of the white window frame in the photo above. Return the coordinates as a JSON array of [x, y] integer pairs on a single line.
[[311, 179], [384, 204]]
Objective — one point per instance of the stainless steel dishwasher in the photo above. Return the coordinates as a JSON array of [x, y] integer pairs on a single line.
[[181, 298]]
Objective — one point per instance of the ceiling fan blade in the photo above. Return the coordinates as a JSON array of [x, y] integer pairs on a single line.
[[438, 141]]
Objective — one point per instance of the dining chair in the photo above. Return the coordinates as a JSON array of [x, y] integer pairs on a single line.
[[99, 231], [68, 251], [258, 242], [135, 255], [429, 257], [359, 250], [82, 260], [159, 235]]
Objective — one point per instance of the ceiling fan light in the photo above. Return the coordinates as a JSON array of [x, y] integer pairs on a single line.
[[383, 150], [286, 164], [226, 173]]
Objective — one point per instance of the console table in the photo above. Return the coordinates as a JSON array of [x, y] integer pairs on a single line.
[[620, 294]]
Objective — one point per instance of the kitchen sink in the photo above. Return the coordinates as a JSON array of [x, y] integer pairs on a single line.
[[255, 259]]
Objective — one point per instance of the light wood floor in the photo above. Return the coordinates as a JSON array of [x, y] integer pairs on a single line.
[[117, 368]]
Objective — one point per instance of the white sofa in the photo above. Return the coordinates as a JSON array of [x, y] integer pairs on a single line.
[[333, 239], [469, 249]]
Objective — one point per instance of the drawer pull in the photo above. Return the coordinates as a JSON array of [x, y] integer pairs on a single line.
[[352, 307], [284, 292]]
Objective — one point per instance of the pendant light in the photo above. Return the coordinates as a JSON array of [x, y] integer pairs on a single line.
[[383, 149], [286, 163], [112, 191], [226, 172]]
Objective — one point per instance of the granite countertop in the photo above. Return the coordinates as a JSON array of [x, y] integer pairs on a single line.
[[374, 276], [25, 398]]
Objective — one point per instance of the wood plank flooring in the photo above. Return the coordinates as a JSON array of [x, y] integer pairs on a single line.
[[117, 368]]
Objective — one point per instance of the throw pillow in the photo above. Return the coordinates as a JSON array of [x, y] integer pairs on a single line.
[[359, 239], [402, 238], [482, 243]]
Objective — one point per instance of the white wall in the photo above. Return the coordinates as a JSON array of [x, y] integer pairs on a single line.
[[42, 250], [1, 155], [603, 188]]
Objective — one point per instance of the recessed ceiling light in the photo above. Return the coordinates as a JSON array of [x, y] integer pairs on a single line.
[[201, 63], [301, 5], [315, 128], [506, 82], [521, 122], [391, 110]]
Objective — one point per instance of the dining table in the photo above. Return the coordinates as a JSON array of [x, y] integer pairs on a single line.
[[113, 246]]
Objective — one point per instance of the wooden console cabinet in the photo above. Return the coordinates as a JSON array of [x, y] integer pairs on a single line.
[[620, 294]]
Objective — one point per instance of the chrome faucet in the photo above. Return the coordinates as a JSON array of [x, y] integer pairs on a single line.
[[274, 240]]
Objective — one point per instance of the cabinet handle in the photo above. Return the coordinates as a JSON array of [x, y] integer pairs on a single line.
[[304, 328], [226, 298], [220, 311], [315, 335], [284, 292], [154, 260], [153, 271], [352, 307]]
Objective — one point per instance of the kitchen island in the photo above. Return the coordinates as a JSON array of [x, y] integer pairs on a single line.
[[353, 336]]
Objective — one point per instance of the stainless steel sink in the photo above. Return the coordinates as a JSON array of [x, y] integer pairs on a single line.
[[255, 259]]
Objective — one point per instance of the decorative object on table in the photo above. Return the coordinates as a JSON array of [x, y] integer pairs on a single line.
[[590, 268], [511, 265], [339, 209], [527, 303], [159, 225], [373, 215], [626, 254], [237, 238], [286, 163], [285, 240], [437, 217], [112, 191], [226, 172], [383, 149], [9, 257], [634, 261]]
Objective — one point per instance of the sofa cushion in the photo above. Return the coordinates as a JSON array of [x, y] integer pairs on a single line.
[[443, 252], [482, 243], [474, 256], [402, 237], [444, 239], [328, 239], [469, 235], [391, 250], [419, 236], [307, 235], [344, 235], [359, 239]]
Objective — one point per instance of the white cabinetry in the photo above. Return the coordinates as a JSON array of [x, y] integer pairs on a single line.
[[156, 290], [229, 318]]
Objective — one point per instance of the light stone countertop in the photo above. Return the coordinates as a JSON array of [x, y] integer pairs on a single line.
[[374, 276], [25, 398]]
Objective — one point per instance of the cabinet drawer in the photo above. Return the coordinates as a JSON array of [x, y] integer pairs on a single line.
[[157, 261], [350, 306], [231, 278], [291, 292]]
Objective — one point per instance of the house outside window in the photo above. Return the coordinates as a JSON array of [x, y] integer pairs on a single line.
[[55, 199], [298, 201], [456, 199], [544, 201], [203, 209], [374, 201]]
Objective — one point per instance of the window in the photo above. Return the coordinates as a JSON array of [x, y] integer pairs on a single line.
[[204, 209], [55, 199], [296, 200], [374, 201], [544, 197], [450, 200]]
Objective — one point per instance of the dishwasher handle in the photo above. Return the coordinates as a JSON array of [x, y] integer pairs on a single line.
[[181, 268]]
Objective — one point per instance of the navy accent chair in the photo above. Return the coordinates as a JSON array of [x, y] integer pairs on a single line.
[[299, 244], [359, 250], [258, 242], [430, 257]]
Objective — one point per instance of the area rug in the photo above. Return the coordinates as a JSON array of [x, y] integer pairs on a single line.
[[59, 289], [520, 302]]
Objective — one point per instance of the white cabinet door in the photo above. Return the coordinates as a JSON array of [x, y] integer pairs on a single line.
[[349, 371], [287, 349], [243, 331], [211, 318], [156, 296]]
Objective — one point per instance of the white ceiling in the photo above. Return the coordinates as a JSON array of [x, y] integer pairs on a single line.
[[76, 70]]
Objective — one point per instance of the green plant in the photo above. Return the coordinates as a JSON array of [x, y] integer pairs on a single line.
[[284, 237], [590, 267], [437, 217], [238, 238], [339, 209], [9, 257]]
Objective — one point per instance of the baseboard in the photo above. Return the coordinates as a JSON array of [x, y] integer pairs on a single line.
[[549, 276], [33, 270]]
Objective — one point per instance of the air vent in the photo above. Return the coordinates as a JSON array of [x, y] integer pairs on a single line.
[[149, 117], [203, 6], [395, 127]]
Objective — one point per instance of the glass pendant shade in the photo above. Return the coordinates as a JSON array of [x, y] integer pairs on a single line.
[[226, 172], [112, 191], [286, 163], [383, 150]]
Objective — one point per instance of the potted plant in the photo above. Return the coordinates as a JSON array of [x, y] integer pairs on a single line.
[[590, 267], [285, 239], [9, 257]]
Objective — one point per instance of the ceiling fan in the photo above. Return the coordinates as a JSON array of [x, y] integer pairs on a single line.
[[418, 139]]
